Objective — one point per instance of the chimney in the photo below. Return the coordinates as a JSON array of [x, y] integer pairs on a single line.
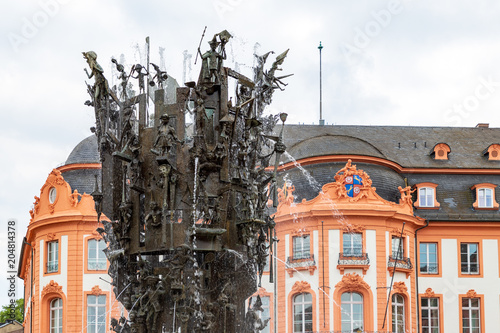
[[483, 125]]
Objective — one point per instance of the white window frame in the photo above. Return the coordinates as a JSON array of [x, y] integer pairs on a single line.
[[426, 196], [299, 300], [98, 262], [398, 319], [483, 195], [469, 263], [424, 257], [56, 316], [99, 325], [301, 247], [52, 256], [429, 328], [471, 310], [347, 317], [351, 246], [398, 251]]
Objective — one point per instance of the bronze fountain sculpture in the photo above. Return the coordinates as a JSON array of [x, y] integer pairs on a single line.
[[185, 206]]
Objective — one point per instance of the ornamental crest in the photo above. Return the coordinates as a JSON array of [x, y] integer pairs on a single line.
[[353, 185], [352, 181]]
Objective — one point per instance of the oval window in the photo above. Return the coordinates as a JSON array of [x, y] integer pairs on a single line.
[[52, 195]]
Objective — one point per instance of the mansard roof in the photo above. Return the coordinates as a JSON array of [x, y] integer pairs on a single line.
[[405, 145]]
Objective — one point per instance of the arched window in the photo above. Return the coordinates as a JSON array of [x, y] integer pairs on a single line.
[[56, 315], [352, 312], [96, 259], [398, 313], [302, 313]]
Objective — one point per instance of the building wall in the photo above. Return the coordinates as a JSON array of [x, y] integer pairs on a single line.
[[325, 220], [70, 220]]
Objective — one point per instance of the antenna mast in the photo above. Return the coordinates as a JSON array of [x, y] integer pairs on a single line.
[[321, 120]]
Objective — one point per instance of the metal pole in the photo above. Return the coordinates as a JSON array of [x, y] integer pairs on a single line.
[[321, 121], [416, 274], [323, 264], [275, 284], [393, 273]]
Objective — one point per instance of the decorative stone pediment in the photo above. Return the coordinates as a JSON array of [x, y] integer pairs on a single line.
[[300, 287], [352, 282], [399, 288], [300, 232], [50, 237], [51, 287], [56, 197], [355, 228], [429, 293], [96, 291], [351, 190], [471, 293], [95, 235]]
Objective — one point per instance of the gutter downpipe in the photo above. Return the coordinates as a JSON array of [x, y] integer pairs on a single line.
[[31, 285], [416, 274]]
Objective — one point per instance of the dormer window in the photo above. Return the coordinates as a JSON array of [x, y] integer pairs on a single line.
[[493, 152], [426, 196], [485, 196], [441, 151]]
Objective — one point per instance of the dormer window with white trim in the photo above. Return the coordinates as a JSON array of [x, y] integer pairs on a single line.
[[426, 196], [485, 196]]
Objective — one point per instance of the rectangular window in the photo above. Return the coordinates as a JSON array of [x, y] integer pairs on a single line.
[[430, 315], [469, 258], [426, 197], [96, 314], [485, 198], [52, 257], [96, 259], [471, 322], [352, 244], [397, 248], [428, 258], [301, 247]]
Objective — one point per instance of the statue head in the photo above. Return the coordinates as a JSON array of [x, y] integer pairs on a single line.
[[165, 118]]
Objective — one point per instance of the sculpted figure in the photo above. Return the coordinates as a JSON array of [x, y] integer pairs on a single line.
[[160, 76], [166, 137], [141, 72], [406, 194], [254, 323], [101, 88]]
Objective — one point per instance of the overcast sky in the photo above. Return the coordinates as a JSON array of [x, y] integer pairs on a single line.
[[407, 62]]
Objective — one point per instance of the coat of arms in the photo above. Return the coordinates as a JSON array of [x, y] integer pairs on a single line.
[[353, 185]]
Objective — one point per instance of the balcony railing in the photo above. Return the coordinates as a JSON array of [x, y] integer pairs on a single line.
[[400, 262], [346, 258], [301, 260], [349, 332], [52, 267]]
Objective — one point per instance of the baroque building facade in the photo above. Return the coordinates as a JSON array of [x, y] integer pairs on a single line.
[[62, 263], [389, 229]]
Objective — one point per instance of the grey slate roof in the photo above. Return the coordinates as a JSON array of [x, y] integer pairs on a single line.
[[405, 145], [84, 152], [410, 147]]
